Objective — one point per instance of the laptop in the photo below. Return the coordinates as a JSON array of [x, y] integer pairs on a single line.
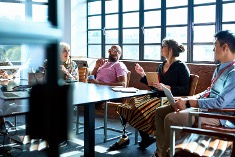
[[168, 94], [13, 94]]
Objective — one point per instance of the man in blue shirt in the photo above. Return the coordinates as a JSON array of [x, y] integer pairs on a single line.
[[219, 95]]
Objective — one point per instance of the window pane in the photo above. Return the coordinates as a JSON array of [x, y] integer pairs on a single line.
[[152, 52], [94, 8], [13, 11], [111, 36], [130, 36], [176, 16], [148, 18], [94, 37], [130, 5], [199, 14], [111, 6], [131, 20], [177, 33], [172, 3], [40, 0], [94, 22], [204, 33], [130, 52], [229, 27], [94, 51], [11, 52], [203, 53], [203, 1], [111, 21], [151, 4], [227, 15], [42, 9], [152, 35]]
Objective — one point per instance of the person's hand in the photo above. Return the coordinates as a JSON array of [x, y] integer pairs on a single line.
[[93, 81], [139, 70], [3, 74], [158, 86], [179, 104], [99, 62], [63, 69]]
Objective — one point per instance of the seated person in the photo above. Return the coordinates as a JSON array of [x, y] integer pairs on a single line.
[[4, 61], [68, 67], [219, 95], [6, 74], [111, 72], [140, 112]]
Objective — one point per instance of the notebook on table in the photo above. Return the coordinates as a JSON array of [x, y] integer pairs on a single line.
[[152, 77], [13, 94]]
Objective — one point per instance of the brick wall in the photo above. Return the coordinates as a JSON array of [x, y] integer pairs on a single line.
[[204, 71]]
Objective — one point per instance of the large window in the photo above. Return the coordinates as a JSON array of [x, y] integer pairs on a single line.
[[139, 26], [35, 10]]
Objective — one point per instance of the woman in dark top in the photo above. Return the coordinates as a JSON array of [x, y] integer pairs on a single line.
[[140, 112]]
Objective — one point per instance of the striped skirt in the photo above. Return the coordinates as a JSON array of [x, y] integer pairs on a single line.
[[139, 112]]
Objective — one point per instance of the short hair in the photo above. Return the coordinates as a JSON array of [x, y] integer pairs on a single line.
[[226, 37], [176, 47], [64, 45]]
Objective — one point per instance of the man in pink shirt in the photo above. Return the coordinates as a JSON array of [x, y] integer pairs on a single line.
[[111, 72]]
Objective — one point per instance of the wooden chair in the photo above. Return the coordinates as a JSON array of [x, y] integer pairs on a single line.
[[113, 105], [105, 127], [213, 113], [193, 86], [213, 140], [201, 142], [83, 73]]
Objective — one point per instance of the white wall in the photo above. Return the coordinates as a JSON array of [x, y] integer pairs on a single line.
[[78, 28]]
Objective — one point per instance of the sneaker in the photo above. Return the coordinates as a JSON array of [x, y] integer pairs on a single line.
[[123, 142]]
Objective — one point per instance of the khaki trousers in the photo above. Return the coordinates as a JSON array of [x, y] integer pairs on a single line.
[[166, 117]]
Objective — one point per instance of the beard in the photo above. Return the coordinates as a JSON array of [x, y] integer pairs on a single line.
[[112, 58]]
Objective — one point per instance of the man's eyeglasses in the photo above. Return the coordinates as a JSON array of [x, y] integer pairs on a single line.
[[114, 50]]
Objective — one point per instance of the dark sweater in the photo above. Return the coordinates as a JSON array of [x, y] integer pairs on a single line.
[[177, 77]]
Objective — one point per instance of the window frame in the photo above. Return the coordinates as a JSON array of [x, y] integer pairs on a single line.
[[190, 26]]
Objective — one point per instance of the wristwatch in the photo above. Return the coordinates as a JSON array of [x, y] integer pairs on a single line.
[[187, 104]]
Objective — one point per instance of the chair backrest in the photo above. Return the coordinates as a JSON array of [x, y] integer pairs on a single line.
[[128, 78], [201, 142], [83, 73], [193, 84]]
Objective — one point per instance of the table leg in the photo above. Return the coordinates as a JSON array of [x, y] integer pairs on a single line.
[[89, 130]]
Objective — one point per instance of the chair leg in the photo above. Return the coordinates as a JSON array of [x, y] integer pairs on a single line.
[[105, 121], [15, 121], [77, 121], [136, 136]]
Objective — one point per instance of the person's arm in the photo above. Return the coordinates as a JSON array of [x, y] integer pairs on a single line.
[[5, 75], [225, 98], [121, 81], [98, 64], [74, 71]]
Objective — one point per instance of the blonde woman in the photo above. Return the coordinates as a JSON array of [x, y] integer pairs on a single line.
[[68, 67]]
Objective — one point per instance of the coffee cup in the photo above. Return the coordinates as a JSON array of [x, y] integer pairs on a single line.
[[92, 77]]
